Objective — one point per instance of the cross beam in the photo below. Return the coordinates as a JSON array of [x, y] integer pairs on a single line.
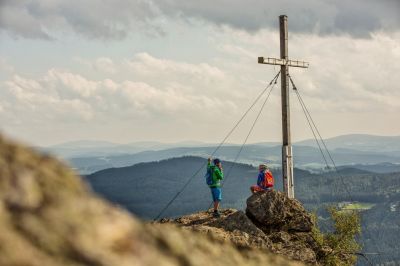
[[282, 62], [285, 63]]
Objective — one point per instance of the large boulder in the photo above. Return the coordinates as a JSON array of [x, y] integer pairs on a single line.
[[273, 211], [49, 217]]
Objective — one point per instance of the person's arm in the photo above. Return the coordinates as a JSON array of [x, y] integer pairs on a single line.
[[219, 174], [260, 178]]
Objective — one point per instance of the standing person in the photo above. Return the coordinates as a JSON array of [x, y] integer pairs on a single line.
[[216, 174], [265, 180]]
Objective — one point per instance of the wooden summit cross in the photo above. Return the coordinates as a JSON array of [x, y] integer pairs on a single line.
[[285, 63]]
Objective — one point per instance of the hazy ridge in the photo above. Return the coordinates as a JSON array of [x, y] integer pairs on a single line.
[[360, 151]]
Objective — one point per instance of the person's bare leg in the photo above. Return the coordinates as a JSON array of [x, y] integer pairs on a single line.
[[216, 205]]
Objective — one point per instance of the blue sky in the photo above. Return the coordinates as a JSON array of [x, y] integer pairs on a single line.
[[174, 70]]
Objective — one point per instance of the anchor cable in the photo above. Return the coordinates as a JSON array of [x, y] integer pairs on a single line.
[[273, 81], [247, 137], [312, 124]]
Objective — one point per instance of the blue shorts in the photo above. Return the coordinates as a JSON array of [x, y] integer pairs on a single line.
[[216, 194]]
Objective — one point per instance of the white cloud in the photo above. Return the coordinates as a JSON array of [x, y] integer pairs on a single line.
[[102, 65], [163, 73], [351, 70], [236, 51], [64, 95], [161, 97], [146, 64], [105, 65], [41, 100], [346, 74]]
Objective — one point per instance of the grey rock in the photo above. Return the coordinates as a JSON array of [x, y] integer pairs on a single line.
[[272, 222], [49, 217], [273, 211]]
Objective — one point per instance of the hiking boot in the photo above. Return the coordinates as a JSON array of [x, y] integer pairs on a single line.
[[216, 214]]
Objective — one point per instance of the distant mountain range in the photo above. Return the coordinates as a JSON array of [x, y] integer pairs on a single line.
[[359, 151], [375, 168], [360, 142], [89, 148], [305, 157]]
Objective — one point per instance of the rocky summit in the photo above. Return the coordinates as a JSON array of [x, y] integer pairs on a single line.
[[272, 222], [49, 217]]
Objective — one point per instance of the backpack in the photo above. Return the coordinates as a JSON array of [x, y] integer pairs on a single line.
[[209, 176], [268, 180]]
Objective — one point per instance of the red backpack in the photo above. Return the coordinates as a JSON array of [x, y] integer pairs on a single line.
[[268, 179]]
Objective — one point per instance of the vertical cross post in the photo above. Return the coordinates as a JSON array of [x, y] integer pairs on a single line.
[[285, 63], [287, 159]]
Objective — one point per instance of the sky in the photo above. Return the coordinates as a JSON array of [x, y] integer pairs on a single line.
[[178, 70]]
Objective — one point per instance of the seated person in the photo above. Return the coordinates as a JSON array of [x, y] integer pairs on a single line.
[[265, 180]]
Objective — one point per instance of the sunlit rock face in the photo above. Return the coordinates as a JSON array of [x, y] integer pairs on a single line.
[[49, 217]]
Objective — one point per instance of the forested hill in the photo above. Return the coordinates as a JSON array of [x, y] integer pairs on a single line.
[[133, 186], [145, 189]]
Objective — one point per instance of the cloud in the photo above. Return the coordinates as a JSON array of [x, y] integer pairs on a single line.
[[353, 72], [103, 65], [163, 98], [61, 96], [91, 18], [146, 65], [153, 96], [161, 72], [45, 100], [346, 75], [358, 18], [5, 66], [115, 19]]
